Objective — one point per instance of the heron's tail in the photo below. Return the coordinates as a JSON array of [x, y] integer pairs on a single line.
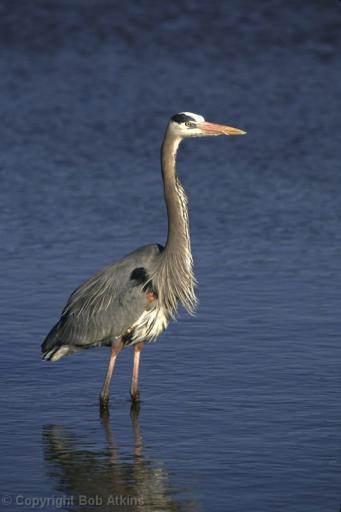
[[52, 349], [56, 353]]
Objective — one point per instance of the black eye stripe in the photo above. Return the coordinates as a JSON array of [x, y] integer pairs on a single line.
[[182, 118]]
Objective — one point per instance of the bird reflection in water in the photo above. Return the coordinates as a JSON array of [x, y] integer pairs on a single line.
[[102, 481]]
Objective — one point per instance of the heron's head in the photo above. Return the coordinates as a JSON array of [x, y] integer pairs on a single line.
[[187, 124]]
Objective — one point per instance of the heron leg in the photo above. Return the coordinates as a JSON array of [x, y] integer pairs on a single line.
[[134, 391], [115, 349]]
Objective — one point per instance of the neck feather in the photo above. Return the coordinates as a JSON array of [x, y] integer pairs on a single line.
[[174, 277]]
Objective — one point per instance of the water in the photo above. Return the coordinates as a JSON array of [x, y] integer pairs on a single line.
[[240, 404]]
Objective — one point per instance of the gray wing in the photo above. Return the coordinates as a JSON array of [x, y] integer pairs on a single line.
[[104, 306]]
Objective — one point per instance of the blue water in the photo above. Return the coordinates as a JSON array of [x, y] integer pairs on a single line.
[[240, 404]]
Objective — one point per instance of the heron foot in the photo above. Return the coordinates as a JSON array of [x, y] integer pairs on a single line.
[[135, 410], [135, 396], [103, 402], [104, 412]]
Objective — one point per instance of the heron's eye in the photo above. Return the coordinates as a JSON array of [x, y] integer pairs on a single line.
[[190, 124]]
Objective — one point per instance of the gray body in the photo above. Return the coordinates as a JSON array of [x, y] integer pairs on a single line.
[[107, 306]]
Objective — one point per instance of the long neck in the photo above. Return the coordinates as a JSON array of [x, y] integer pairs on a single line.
[[175, 279], [175, 198]]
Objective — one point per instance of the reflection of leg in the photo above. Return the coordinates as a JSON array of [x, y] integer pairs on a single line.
[[104, 396], [134, 391], [134, 416], [108, 435]]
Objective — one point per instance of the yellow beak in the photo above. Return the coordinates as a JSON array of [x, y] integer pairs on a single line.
[[219, 129]]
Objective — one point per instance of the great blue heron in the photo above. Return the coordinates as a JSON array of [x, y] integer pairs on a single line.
[[132, 300]]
